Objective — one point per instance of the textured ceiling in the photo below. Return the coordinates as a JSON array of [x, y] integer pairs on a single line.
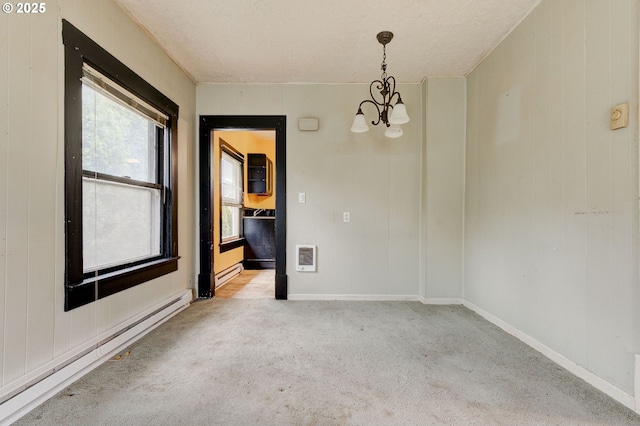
[[326, 41]]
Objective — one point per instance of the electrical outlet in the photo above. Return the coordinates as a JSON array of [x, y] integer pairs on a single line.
[[346, 217], [302, 197]]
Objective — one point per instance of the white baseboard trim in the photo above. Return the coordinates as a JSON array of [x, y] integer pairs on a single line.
[[356, 297], [442, 301], [637, 383], [581, 372], [33, 389], [379, 298]]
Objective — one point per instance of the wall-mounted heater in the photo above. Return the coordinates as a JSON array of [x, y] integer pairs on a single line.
[[305, 258]]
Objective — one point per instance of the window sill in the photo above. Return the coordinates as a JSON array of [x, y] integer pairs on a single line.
[[95, 288], [232, 244]]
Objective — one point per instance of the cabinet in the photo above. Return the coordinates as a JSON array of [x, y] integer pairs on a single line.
[[260, 247], [259, 174]]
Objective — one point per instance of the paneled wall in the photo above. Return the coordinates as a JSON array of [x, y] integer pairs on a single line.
[[551, 222], [34, 329], [444, 188], [374, 178]]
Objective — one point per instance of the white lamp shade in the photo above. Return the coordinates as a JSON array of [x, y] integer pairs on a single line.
[[399, 114], [359, 124], [393, 131]]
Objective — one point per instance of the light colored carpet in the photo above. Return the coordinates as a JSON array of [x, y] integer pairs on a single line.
[[268, 362]]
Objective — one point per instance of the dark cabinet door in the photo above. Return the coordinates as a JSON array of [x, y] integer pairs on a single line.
[[260, 246]]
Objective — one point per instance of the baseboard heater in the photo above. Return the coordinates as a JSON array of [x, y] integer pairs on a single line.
[[45, 382], [224, 276]]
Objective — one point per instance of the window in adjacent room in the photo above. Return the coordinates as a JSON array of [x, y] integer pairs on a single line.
[[231, 189], [121, 217]]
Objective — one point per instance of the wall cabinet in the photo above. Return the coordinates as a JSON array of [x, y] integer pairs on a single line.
[[259, 174]]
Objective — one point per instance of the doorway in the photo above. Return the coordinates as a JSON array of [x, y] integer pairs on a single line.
[[207, 180]]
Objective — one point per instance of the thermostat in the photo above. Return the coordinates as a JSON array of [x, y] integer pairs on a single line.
[[308, 124]]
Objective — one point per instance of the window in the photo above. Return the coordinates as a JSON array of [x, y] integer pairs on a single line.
[[121, 217], [121, 178], [231, 189]]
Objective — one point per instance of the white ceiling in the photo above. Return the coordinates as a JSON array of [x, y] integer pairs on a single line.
[[326, 41]]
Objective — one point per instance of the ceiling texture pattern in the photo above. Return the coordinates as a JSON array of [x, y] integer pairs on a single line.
[[328, 41]]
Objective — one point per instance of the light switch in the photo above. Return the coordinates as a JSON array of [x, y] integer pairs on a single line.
[[302, 197], [620, 116], [346, 217]]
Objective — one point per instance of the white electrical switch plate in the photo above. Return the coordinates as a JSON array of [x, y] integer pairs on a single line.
[[620, 116], [302, 197], [346, 217]]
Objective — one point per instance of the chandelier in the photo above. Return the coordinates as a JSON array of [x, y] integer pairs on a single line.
[[391, 115]]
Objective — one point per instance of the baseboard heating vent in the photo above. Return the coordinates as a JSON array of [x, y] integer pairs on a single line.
[[224, 276], [305, 258], [38, 386]]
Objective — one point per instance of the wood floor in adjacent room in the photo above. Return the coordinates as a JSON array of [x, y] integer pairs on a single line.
[[250, 284]]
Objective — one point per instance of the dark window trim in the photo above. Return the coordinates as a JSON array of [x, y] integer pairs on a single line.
[[80, 290], [230, 149], [232, 244]]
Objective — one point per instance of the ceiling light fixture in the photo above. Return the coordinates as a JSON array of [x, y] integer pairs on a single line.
[[387, 87]]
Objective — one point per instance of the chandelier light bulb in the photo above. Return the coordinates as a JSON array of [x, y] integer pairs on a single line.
[[359, 123], [393, 131], [399, 114]]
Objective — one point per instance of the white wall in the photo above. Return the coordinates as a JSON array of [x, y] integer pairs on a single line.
[[404, 195], [374, 178], [444, 194], [34, 329], [551, 222]]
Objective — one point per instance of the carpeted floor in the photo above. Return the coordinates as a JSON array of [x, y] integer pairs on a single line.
[[268, 362]]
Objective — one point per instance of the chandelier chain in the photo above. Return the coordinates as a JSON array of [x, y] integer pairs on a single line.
[[383, 66]]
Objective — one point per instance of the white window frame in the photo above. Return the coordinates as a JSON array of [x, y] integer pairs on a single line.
[[154, 183], [236, 201]]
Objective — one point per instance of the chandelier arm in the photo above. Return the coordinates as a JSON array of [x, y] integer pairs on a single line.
[[379, 87], [375, 104], [392, 90]]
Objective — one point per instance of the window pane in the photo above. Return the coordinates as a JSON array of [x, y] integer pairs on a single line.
[[230, 222], [121, 223], [115, 139], [231, 179]]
